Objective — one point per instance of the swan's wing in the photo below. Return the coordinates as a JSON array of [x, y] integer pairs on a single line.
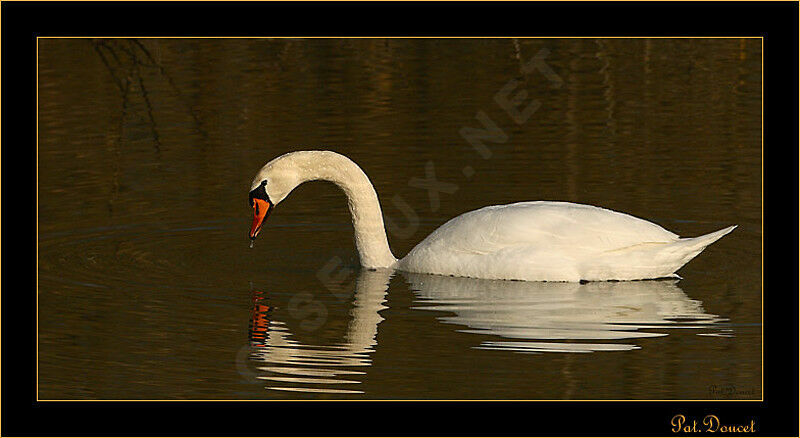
[[554, 241], [554, 226], [537, 241]]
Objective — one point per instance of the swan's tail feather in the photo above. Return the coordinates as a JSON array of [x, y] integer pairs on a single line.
[[703, 241], [649, 260], [692, 246]]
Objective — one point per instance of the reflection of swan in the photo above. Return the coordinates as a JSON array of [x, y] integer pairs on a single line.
[[554, 241], [559, 311], [292, 366]]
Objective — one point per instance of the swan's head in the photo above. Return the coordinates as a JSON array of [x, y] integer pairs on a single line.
[[262, 206], [270, 186]]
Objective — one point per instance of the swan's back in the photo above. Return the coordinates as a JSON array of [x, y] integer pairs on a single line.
[[543, 223], [550, 241]]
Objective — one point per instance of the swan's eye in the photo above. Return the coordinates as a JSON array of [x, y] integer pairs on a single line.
[[259, 192]]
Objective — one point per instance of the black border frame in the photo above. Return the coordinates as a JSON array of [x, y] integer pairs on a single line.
[[22, 22]]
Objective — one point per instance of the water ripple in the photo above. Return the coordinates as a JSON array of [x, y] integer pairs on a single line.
[[566, 312]]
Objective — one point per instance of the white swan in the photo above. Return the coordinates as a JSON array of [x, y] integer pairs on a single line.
[[534, 241]]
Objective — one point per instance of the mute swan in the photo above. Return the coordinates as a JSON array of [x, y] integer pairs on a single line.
[[534, 241]]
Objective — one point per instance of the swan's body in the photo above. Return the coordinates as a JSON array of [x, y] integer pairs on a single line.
[[535, 241], [553, 241]]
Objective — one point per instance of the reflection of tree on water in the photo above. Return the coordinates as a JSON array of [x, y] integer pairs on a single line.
[[289, 365], [125, 60]]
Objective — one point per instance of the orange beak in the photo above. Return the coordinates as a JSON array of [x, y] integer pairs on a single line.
[[261, 209]]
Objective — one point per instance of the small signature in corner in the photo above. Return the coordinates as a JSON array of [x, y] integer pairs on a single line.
[[710, 424], [730, 391]]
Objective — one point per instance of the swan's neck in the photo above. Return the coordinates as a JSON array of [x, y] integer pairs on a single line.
[[370, 234]]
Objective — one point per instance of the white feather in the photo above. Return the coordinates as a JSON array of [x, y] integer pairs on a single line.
[[553, 241]]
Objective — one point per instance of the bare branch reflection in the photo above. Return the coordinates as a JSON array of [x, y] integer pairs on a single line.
[[125, 60]]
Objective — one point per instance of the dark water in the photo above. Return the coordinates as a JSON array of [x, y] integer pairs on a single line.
[[147, 288]]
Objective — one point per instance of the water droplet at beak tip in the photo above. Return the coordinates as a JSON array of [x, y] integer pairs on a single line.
[[252, 242]]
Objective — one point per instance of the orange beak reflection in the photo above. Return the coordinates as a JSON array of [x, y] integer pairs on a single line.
[[261, 210]]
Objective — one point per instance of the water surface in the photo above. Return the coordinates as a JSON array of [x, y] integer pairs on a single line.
[[147, 288]]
